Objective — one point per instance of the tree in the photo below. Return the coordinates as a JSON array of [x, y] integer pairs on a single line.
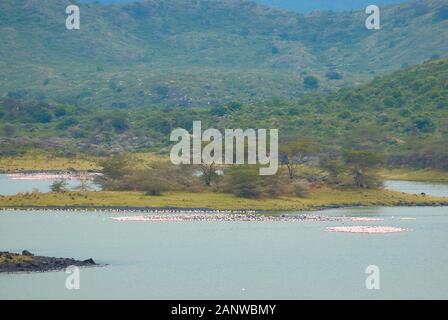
[[119, 123], [442, 13], [361, 163], [244, 182], [425, 124], [9, 130], [218, 110], [294, 154], [115, 167], [208, 173], [161, 90], [60, 112], [84, 185], [333, 75], [311, 82], [42, 115], [59, 186], [333, 167]]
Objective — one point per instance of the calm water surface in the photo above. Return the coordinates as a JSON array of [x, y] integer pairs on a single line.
[[10, 186], [434, 189], [232, 260]]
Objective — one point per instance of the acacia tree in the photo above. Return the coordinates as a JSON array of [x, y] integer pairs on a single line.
[[59, 186], [243, 181], [84, 184], [333, 167], [360, 164], [294, 154], [208, 173]]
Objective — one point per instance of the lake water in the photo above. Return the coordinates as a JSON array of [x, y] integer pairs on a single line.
[[9, 186], [434, 189], [232, 260]]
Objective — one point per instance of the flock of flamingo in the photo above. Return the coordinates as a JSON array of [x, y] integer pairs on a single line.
[[196, 215]]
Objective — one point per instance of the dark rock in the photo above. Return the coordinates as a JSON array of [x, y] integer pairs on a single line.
[[27, 253], [38, 263], [89, 261]]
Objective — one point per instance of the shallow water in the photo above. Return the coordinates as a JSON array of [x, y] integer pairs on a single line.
[[231, 260], [9, 186], [432, 189]]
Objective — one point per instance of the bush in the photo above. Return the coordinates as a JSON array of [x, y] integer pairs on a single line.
[[244, 182], [70, 122], [333, 75], [441, 14], [424, 124], [9, 130], [42, 116], [59, 186], [311, 82], [60, 112], [301, 189], [155, 187], [120, 124]]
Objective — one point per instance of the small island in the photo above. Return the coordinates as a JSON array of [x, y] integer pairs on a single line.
[[28, 262]]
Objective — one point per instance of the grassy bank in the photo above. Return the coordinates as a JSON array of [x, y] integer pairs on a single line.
[[14, 258], [406, 174], [39, 161], [36, 161], [320, 198]]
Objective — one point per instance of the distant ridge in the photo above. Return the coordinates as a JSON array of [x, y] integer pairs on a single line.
[[199, 53]]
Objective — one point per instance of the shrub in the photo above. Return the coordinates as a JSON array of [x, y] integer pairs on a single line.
[[301, 189], [42, 116], [59, 186], [9, 130], [70, 122], [333, 75], [244, 182], [311, 82]]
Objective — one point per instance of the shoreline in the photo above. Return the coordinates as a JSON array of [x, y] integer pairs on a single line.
[[171, 209], [52, 176], [414, 175], [318, 199], [49, 172]]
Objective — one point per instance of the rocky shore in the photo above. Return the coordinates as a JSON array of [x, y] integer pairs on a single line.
[[28, 262]]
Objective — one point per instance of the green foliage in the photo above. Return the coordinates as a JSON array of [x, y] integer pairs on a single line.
[[333, 75], [311, 82], [244, 182], [115, 167], [59, 186], [296, 153], [9, 130], [221, 51], [360, 164], [395, 115]]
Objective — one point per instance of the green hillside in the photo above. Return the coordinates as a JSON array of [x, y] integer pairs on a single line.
[[198, 53], [404, 115]]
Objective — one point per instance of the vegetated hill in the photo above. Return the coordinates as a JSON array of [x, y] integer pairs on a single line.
[[404, 114], [303, 6], [410, 103], [334, 5], [203, 52]]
